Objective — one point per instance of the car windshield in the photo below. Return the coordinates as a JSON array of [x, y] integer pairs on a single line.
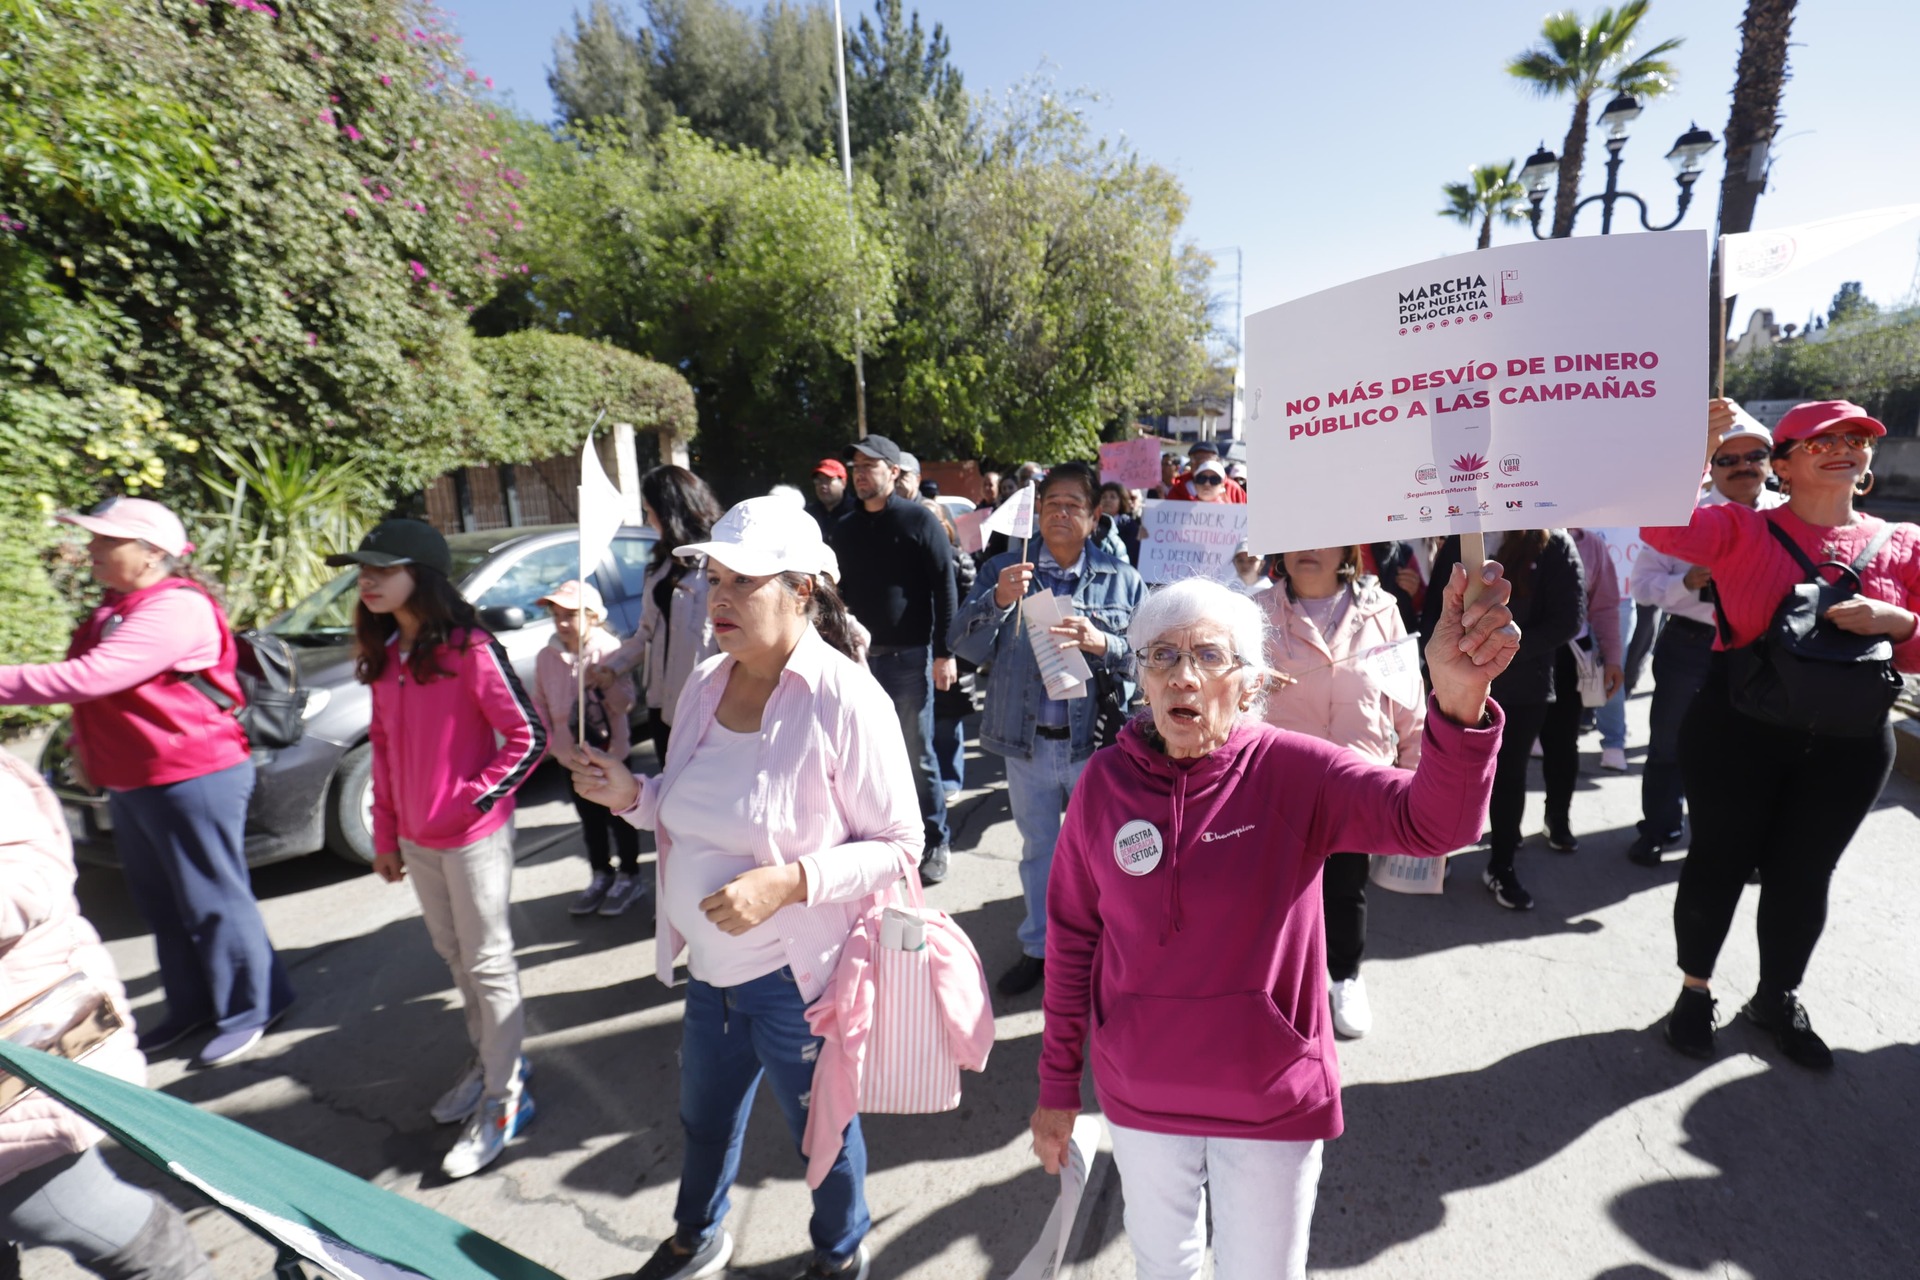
[[326, 616]]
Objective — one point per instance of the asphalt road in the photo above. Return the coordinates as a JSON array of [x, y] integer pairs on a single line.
[[1514, 1113]]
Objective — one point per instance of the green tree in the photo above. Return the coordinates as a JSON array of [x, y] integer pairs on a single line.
[[897, 74], [1850, 302], [1489, 192], [1579, 60]]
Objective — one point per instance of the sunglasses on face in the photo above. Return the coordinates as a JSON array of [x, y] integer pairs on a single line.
[[1752, 457], [1819, 445], [1211, 659], [1209, 478]]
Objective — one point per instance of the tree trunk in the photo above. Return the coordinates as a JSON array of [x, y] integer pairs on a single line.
[[1486, 230], [1757, 82], [1572, 152]]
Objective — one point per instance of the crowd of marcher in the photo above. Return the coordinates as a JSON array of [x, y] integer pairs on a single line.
[[1196, 822]]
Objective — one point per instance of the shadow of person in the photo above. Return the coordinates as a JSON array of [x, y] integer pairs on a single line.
[[1410, 1144], [1817, 1178]]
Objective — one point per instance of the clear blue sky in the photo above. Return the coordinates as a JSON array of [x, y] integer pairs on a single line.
[[1315, 138]]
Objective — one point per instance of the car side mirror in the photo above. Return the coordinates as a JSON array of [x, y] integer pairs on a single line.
[[503, 617]]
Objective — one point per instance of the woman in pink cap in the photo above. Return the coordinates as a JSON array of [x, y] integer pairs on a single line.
[[150, 676], [1778, 781]]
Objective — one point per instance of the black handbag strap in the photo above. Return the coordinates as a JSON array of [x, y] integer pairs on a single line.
[[1860, 562]]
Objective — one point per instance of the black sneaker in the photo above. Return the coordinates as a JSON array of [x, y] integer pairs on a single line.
[[1690, 1026], [1560, 837], [934, 864], [1786, 1018], [1506, 889], [1645, 851], [669, 1263], [1025, 975], [854, 1268]]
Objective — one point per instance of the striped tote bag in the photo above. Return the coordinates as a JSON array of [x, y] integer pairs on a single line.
[[911, 1068]]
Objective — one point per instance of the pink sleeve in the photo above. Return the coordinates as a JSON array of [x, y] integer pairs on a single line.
[[874, 789], [507, 708], [1440, 807], [1073, 936], [1906, 654], [1713, 532], [386, 822], [1603, 607], [175, 631], [544, 664]]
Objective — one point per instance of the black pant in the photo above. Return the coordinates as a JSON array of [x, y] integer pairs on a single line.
[[596, 824], [660, 731], [1780, 800], [1647, 625], [1509, 802], [1560, 739], [1343, 893], [1680, 659]]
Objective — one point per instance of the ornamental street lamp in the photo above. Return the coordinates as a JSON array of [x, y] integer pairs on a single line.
[[1689, 151]]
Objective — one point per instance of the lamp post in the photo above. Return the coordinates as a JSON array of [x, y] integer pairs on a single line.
[[1689, 151]]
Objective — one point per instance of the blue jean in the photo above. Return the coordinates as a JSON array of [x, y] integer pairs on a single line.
[[1037, 792], [183, 850], [1681, 658], [907, 676], [732, 1036], [950, 753], [1612, 717]]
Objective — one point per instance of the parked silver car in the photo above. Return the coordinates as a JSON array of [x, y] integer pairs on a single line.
[[318, 793]]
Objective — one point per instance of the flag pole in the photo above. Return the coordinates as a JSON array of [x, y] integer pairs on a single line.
[[1473, 558], [853, 224], [580, 611]]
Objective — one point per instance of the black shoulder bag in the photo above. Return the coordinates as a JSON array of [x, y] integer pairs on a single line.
[[1805, 673]]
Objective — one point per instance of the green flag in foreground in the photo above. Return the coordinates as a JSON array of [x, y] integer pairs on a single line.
[[345, 1224]]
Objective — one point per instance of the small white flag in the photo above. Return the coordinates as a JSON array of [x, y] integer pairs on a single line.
[[1397, 667], [1014, 517], [1758, 257], [600, 511]]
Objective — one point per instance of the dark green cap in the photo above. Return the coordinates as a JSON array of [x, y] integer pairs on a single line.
[[394, 542]]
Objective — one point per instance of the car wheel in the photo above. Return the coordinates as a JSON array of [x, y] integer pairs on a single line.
[[350, 807]]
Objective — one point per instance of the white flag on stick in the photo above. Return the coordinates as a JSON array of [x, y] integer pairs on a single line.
[[1014, 517], [1757, 257], [600, 511]]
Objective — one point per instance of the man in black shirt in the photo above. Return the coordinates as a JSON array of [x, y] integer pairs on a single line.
[[831, 497], [896, 575]]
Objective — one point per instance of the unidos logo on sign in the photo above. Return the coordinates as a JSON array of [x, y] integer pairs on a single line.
[[1468, 466]]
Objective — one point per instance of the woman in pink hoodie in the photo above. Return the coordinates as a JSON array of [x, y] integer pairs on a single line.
[[454, 735], [1184, 921]]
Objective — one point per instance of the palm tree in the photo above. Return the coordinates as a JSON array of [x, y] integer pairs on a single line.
[[1583, 60], [1490, 192]]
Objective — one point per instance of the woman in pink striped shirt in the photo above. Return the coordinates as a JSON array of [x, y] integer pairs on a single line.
[[1785, 801], [785, 804]]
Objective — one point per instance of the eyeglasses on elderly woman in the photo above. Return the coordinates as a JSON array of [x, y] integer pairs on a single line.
[[1209, 659]]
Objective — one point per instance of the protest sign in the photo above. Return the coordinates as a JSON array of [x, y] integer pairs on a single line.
[[1014, 517], [971, 526], [1561, 382], [1190, 539], [1131, 464], [1752, 258]]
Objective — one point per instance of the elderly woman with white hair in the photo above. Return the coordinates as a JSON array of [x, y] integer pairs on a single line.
[[1184, 921]]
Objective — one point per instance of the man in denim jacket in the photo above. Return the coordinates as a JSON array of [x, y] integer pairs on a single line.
[[1046, 743]]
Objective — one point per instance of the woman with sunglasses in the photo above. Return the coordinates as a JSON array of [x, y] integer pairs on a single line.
[[1784, 801]]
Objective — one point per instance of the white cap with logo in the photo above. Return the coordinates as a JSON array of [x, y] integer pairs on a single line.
[[764, 536]]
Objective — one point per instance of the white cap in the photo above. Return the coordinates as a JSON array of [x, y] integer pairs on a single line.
[[769, 535], [1213, 465], [140, 519]]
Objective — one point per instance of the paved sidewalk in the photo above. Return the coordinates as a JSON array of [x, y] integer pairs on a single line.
[[1514, 1114]]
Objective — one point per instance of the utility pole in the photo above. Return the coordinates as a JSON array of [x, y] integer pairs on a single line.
[[853, 224]]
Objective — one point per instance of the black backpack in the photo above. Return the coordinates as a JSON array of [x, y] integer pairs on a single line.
[[1805, 673], [274, 715]]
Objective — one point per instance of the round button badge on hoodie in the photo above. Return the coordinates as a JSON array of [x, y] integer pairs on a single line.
[[1137, 847]]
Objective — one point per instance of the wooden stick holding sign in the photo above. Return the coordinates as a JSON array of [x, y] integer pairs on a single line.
[[1473, 556]]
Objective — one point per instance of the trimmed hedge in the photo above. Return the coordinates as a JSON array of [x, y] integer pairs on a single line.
[[550, 387]]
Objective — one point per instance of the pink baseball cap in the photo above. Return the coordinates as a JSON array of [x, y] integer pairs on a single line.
[[1804, 421], [141, 519], [574, 594]]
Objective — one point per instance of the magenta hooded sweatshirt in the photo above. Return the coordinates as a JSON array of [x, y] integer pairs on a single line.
[[1184, 922]]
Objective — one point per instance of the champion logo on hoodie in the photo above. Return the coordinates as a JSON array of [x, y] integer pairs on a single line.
[[1210, 836]]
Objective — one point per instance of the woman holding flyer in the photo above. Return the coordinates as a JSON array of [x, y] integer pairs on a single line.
[[1325, 622]]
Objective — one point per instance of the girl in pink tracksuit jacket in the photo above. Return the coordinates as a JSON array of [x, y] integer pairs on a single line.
[[454, 735]]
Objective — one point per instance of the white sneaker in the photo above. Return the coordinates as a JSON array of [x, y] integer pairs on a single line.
[[1352, 1014], [463, 1099], [494, 1125], [1613, 759]]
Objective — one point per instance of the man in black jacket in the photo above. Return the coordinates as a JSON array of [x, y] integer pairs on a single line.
[[831, 497], [896, 574]]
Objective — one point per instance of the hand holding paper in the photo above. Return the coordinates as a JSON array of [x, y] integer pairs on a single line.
[[1064, 672]]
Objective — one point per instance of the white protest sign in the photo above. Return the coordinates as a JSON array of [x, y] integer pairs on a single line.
[[1131, 464], [971, 527], [1562, 382], [1752, 258], [1396, 668], [1190, 539], [1014, 517], [1623, 548]]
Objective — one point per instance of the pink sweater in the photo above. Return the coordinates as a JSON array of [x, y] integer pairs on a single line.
[[1203, 977], [556, 691], [1603, 596], [1752, 572]]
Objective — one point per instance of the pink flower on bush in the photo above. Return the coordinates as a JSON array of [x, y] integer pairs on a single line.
[[353, 134], [386, 80], [313, 339], [254, 6], [352, 212], [418, 269], [326, 117]]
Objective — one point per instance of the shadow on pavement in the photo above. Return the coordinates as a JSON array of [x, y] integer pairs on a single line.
[[1409, 1144], [1817, 1172]]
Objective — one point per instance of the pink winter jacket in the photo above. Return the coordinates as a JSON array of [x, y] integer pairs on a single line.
[[556, 691], [843, 1016], [1335, 696], [449, 754], [1603, 596], [43, 938], [1199, 966]]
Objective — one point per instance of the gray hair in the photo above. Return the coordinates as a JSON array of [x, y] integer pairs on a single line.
[[1202, 600]]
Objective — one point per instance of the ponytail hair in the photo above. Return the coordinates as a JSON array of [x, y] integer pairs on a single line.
[[825, 609]]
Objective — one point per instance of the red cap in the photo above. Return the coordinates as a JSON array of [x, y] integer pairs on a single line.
[[1804, 421], [831, 467]]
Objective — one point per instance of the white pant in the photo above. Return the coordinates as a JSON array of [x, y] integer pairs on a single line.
[[1262, 1196], [464, 895]]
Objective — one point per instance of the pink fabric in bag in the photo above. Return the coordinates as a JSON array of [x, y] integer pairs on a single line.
[[861, 1069]]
